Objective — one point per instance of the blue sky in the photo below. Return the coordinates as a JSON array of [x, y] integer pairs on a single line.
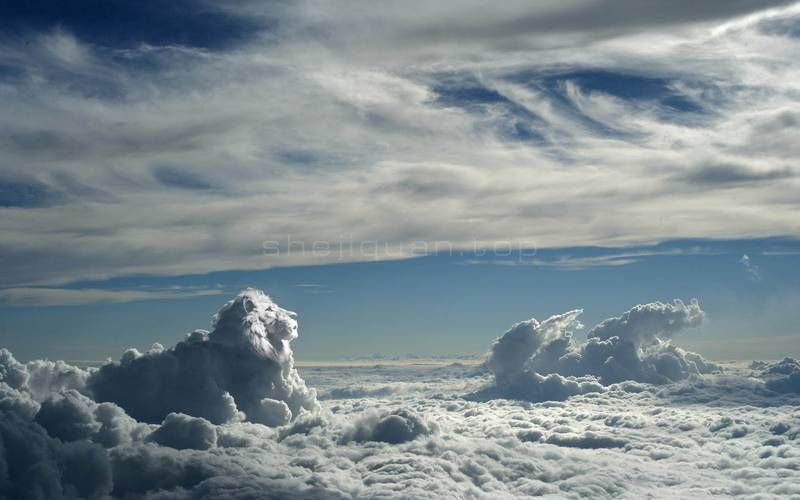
[[155, 159], [453, 304]]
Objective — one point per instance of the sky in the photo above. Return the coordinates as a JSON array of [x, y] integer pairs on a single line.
[[409, 180]]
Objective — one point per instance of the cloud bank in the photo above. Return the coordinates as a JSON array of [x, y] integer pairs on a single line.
[[732, 433]]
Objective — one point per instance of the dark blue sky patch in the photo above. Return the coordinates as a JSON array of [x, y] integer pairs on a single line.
[[126, 23], [616, 84], [517, 123], [553, 88], [469, 94], [680, 103], [175, 177], [19, 193], [466, 94], [627, 86]]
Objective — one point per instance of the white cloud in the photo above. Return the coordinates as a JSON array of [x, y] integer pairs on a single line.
[[398, 426], [539, 361], [782, 376], [750, 268], [245, 364]]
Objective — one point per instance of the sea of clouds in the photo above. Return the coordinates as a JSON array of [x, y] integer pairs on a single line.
[[226, 414]]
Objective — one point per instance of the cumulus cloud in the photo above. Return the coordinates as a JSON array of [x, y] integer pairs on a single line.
[[372, 390], [12, 372], [646, 323], [539, 361], [527, 385], [57, 424], [399, 426], [71, 416], [40, 378], [245, 364], [181, 431], [23, 386], [272, 412], [782, 376], [17, 402], [524, 340], [47, 377], [35, 465], [587, 440], [68, 417]]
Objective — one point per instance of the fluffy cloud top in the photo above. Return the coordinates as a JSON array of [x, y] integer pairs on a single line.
[[511, 352], [181, 431], [782, 376], [532, 359], [645, 324], [398, 426], [244, 368]]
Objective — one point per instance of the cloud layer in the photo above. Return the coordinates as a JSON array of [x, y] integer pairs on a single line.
[[732, 433], [206, 128]]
